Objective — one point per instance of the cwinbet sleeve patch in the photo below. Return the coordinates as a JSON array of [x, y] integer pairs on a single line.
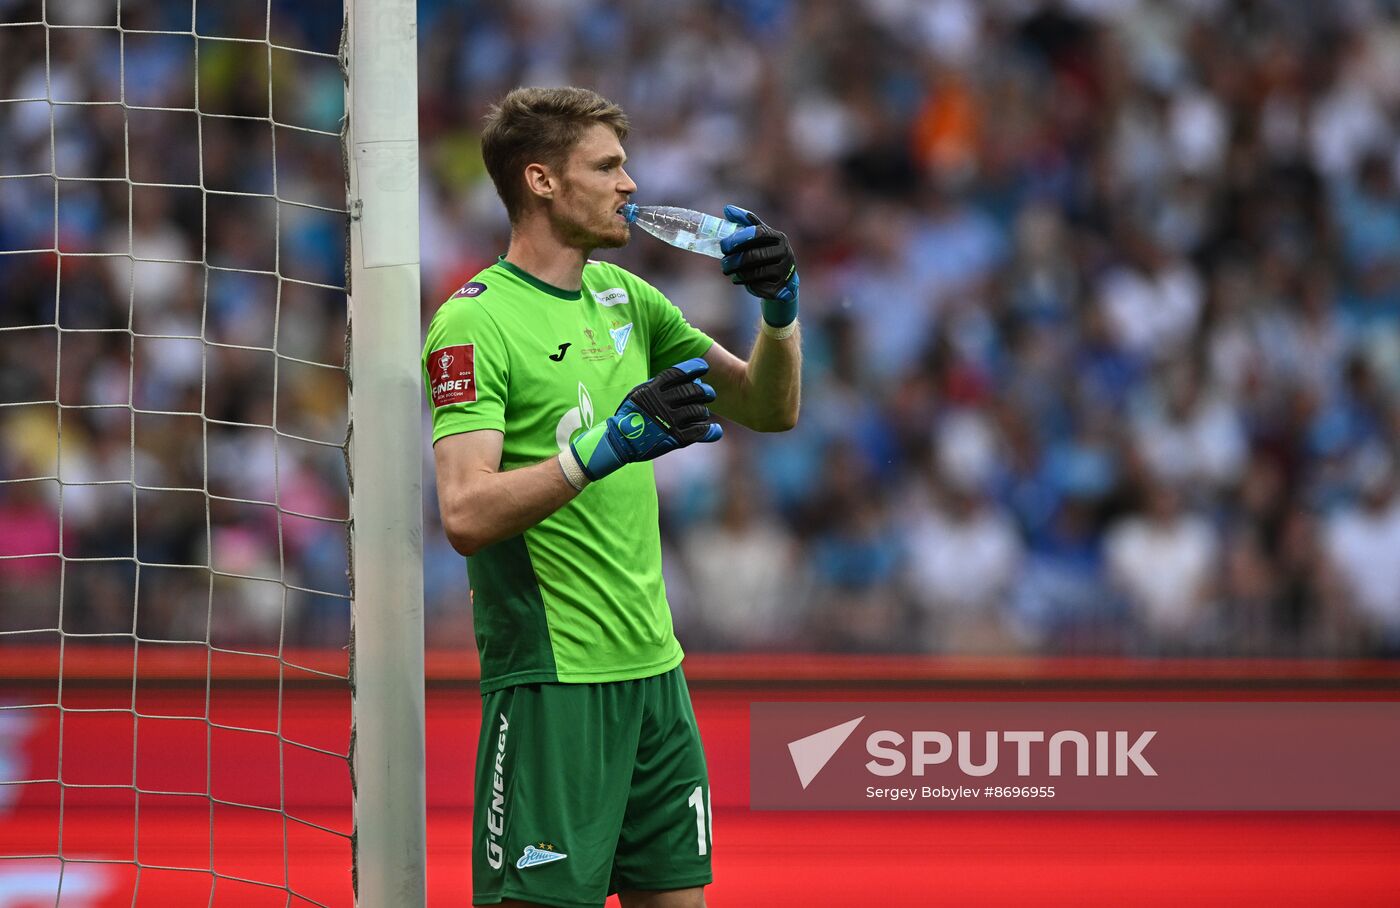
[[451, 375]]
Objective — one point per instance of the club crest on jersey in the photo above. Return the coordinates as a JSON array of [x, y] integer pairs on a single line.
[[534, 855], [609, 298], [472, 288], [620, 336], [451, 373]]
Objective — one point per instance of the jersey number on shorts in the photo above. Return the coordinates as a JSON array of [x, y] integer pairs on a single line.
[[704, 825]]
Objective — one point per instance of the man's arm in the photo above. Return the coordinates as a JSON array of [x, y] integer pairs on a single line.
[[480, 504], [765, 392]]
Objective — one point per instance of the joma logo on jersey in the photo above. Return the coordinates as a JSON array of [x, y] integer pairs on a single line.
[[496, 815], [451, 371]]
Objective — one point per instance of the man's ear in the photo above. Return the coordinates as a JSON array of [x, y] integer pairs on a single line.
[[540, 180]]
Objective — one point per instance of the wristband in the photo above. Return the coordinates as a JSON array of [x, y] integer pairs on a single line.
[[573, 473], [782, 333]]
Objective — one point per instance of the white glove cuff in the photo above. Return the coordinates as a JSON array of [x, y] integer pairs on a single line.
[[573, 473], [785, 331]]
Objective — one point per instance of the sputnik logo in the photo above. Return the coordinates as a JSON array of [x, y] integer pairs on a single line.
[[811, 754]]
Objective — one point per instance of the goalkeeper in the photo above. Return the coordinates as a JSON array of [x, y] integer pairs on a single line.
[[553, 381]]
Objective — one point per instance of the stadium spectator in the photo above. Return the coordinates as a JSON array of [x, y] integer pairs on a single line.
[[1163, 561], [746, 566], [1361, 542], [1186, 434], [964, 552]]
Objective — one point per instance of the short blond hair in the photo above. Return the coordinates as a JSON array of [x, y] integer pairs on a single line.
[[540, 125]]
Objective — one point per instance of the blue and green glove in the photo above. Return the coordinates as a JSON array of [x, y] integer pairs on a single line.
[[657, 416], [761, 259]]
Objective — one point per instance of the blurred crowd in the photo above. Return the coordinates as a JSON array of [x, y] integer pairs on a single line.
[[1101, 309], [172, 323], [1101, 312]]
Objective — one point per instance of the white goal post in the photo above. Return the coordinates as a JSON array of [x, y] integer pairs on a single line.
[[181, 472], [175, 245], [381, 144]]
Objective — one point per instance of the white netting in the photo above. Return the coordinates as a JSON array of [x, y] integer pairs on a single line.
[[173, 499]]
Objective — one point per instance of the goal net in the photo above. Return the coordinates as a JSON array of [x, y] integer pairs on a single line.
[[176, 466]]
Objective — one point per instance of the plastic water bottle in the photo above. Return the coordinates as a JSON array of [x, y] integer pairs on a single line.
[[681, 227]]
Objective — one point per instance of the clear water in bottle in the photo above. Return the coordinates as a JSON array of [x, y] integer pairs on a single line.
[[685, 229]]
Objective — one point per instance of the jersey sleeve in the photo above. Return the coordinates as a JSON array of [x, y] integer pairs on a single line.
[[673, 338], [466, 368]]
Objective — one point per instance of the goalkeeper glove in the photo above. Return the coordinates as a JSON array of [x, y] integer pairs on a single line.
[[761, 259], [660, 415]]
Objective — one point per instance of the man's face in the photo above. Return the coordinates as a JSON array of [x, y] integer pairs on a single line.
[[592, 187]]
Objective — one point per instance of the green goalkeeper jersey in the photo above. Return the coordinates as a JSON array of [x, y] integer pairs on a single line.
[[579, 596]]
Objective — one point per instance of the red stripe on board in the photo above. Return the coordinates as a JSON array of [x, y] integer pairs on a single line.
[[193, 662]]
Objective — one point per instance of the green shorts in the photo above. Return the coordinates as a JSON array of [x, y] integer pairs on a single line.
[[583, 790]]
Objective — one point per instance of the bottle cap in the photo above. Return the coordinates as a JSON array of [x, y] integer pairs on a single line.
[[629, 212]]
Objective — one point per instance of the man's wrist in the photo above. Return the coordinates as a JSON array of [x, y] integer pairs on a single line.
[[780, 311], [594, 453], [573, 472]]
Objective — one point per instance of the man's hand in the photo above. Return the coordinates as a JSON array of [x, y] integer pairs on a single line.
[[761, 259], [660, 415]]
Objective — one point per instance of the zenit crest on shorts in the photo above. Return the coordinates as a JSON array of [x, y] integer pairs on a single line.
[[578, 597]]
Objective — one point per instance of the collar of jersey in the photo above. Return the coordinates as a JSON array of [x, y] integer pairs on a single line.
[[538, 284]]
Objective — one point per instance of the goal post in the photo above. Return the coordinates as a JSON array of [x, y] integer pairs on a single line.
[[192, 429], [381, 145]]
